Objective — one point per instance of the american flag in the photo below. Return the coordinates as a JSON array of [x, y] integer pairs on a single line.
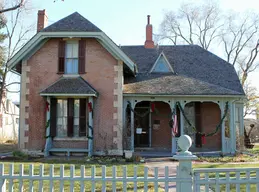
[[175, 126]]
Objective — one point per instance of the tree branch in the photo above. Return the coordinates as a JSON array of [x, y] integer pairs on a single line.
[[12, 8]]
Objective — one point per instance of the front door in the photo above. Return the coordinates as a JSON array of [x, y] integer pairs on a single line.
[[141, 127]]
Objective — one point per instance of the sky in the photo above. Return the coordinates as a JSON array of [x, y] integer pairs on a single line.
[[124, 21]]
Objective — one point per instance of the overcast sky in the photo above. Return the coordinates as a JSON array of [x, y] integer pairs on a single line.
[[124, 20]]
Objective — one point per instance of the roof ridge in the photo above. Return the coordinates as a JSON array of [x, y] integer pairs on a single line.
[[73, 22]]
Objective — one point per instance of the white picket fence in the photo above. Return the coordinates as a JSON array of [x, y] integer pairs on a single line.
[[229, 179], [54, 178], [49, 181]]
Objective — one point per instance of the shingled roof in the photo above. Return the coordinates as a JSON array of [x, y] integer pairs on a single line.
[[72, 23], [171, 84], [70, 85], [197, 72]]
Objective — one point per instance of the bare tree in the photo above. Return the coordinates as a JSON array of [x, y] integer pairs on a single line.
[[250, 106], [192, 24], [241, 45], [16, 33], [17, 5], [207, 26]]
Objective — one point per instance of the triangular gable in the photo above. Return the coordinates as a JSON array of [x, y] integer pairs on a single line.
[[72, 23], [162, 65]]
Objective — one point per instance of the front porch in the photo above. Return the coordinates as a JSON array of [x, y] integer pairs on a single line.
[[214, 124]]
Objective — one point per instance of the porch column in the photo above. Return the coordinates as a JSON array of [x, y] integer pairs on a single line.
[[48, 143], [241, 131], [232, 127], [222, 110], [90, 128], [132, 124], [174, 145], [124, 125], [182, 118]]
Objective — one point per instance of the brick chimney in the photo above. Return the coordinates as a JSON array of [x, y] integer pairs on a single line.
[[149, 43], [42, 20]]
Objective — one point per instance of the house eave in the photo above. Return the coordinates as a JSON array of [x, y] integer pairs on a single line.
[[68, 95], [42, 36], [170, 95]]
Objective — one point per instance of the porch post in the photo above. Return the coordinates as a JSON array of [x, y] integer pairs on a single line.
[[90, 128], [124, 125], [174, 147], [222, 110], [241, 131], [232, 127], [132, 124], [234, 139], [48, 143], [182, 118]]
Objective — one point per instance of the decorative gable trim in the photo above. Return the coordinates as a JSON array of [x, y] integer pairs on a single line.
[[166, 62]]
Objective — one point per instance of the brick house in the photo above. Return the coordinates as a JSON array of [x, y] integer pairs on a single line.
[[80, 92]]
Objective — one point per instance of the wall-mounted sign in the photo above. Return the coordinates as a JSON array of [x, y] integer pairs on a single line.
[[138, 130]]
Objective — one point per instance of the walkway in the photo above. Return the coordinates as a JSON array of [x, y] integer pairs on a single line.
[[161, 163]]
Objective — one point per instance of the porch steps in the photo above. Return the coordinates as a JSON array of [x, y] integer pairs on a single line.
[[68, 151]]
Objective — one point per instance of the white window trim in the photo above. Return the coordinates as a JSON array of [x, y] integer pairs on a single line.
[[166, 60]]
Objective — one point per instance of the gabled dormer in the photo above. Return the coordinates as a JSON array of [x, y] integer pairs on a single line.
[[162, 65]]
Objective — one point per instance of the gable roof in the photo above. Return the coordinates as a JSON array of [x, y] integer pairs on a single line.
[[166, 63], [70, 86], [73, 22], [74, 25], [190, 61]]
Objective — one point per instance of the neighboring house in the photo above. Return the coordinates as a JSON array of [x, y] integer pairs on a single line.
[[9, 120], [79, 89]]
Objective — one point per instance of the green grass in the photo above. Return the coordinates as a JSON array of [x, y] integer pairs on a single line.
[[232, 174], [77, 164], [249, 155]]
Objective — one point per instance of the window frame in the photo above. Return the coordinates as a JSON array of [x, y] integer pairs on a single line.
[[73, 58], [168, 65], [65, 114]]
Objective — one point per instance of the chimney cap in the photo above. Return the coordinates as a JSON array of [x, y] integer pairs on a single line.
[[148, 19]]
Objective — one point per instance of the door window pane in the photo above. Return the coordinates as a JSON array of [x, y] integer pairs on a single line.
[[76, 118], [61, 118]]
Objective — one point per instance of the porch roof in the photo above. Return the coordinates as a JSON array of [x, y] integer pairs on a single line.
[[172, 84], [189, 61], [70, 86]]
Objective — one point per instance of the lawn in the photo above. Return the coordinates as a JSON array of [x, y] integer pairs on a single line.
[[232, 174], [248, 155], [88, 166]]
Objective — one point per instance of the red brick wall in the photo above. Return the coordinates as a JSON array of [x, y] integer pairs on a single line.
[[210, 119], [70, 144], [162, 138], [99, 73]]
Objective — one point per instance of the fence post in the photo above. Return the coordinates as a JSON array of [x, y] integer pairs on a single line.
[[184, 171]]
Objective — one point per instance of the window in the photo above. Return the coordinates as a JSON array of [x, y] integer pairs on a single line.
[[71, 61], [6, 121], [7, 105], [161, 65], [62, 118], [64, 113], [17, 120]]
